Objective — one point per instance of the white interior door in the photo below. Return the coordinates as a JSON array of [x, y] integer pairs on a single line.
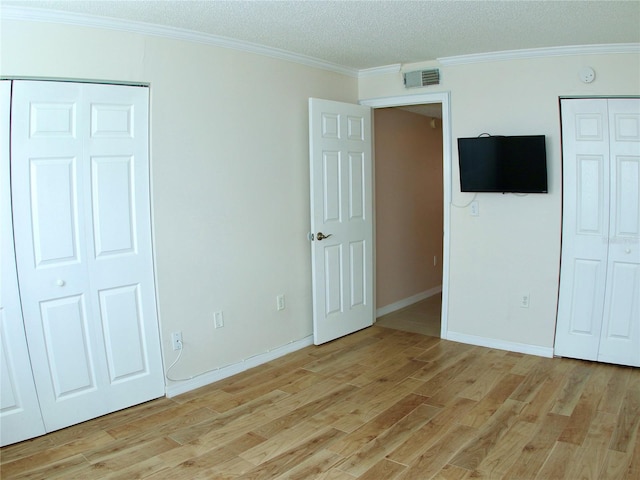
[[341, 218], [20, 416], [620, 338], [585, 227], [83, 246], [598, 311]]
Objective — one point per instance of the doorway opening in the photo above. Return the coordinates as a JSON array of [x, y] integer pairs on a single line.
[[409, 206], [414, 232]]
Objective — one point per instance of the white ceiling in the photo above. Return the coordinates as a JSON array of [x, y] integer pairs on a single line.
[[367, 34]]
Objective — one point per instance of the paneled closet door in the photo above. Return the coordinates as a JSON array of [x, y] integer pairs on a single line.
[[80, 178], [598, 311], [585, 227], [620, 337], [20, 416]]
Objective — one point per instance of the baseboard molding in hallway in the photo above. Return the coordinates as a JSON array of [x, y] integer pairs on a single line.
[[406, 302]]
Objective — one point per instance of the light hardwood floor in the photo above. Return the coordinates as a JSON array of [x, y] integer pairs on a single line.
[[378, 404], [421, 317]]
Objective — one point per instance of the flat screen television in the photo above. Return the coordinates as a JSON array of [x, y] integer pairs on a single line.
[[506, 164]]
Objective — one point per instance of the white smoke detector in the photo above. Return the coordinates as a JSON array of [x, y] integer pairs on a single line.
[[587, 75]]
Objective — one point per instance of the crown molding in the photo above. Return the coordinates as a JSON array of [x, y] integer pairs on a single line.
[[384, 70], [613, 48], [93, 21]]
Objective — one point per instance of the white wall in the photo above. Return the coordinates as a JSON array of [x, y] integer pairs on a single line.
[[229, 154], [230, 177], [513, 247]]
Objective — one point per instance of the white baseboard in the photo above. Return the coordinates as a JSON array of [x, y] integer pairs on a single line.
[[224, 372], [408, 301], [500, 344]]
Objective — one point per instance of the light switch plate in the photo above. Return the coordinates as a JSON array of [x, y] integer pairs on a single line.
[[475, 208]]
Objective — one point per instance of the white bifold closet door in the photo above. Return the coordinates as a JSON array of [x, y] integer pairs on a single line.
[[598, 309], [19, 409], [81, 213]]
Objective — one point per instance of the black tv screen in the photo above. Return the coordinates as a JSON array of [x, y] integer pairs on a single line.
[[515, 164]]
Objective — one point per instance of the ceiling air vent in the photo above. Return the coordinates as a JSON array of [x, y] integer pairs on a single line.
[[422, 78]]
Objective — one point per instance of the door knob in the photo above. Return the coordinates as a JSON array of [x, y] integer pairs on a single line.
[[322, 236], [60, 283], [627, 250]]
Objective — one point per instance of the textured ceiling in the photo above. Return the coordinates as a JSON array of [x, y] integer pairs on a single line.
[[366, 34]]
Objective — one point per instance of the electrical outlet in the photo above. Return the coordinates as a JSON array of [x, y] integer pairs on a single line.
[[280, 302], [524, 300], [218, 319], [176, 340]]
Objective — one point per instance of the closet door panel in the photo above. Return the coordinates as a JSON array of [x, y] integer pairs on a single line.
[[47, 177], [68, 347], [620, 342], [20, 416], [113, 206], [626, 219], [585, 227], [55, 210], [120, 256], [586, 285], [123, 325]]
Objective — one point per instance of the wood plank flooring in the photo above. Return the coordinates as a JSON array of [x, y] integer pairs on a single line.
[[378, 404], [420, 317]]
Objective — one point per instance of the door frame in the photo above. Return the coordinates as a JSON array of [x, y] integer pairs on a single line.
[[420, 99]]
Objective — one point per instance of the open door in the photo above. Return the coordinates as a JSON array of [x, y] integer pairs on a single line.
[[341, 167]]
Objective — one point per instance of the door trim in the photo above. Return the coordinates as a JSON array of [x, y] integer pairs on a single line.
[[444, 99]]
